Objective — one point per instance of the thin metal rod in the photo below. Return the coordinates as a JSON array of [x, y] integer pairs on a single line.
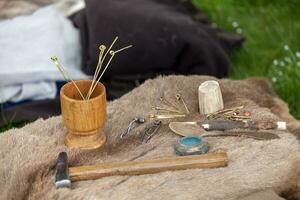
[[112, 53], [179, 97], [168, 103], [101, 63], [165, 116], [65, 74], [124, 48], [166, 109], [109, 61], [98, 68]]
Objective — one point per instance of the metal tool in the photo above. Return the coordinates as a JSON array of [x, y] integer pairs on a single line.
[[192, 128], [221, 125], [257, 135], [224, 112], [165, 116], [137, 120], [62, 178], [168, 103], [150, 131], [129, 168], [166, 109], [180, 98]]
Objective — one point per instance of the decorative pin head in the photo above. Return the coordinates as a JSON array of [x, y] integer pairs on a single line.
[[54, 58], [140, 119], [112, 52], [152, 116], [102, 47]]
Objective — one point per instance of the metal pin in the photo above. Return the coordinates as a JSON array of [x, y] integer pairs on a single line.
[[168, 103], [132, 125], [165, 116], [228, 110], [180, 98], [223, 112], [237, 117], [150, 131], [166, 109]]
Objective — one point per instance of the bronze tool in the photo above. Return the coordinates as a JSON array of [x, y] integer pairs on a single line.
[[186, 128], [222, 125], [168, 103], [221, 113], [112, 53], [180, 98], [192, 128], [65, 175], [102, 49], [65, 74], [150, 131], [137, 120], [166, 109], [236, 117], [257, 135], [165, 116]]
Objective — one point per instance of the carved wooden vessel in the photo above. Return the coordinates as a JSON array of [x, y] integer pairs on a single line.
[[83, 118]]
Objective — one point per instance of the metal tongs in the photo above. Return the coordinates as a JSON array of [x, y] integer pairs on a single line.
[[137, 120], [150, 131]]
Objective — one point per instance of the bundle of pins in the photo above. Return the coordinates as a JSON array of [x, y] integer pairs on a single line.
[[170, 110], [230, 114], [96, 78]]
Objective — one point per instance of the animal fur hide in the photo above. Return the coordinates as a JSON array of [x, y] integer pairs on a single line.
[[28, 155]]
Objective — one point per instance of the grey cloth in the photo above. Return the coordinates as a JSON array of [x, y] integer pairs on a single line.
[[27, 43]]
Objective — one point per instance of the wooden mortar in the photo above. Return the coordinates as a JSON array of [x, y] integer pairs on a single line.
[[83, 118]]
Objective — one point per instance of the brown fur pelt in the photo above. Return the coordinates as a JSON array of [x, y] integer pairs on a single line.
[[28, 154]]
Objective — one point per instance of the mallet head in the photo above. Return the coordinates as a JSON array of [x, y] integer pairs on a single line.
[[62, 179]]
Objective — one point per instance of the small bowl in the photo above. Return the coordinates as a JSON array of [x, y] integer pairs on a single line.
[[191, 145]]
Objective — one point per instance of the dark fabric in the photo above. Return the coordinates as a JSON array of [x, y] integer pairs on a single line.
[[169, 37], [30, 111]]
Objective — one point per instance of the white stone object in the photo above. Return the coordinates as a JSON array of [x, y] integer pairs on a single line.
[[210, 97], [281, 125]]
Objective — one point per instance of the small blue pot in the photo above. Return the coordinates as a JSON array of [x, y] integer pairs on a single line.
[[191, 145]]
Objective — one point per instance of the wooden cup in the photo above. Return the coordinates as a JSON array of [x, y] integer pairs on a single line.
[[83, 118]]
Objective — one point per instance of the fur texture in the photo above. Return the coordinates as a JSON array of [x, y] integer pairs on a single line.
[[28, 154]]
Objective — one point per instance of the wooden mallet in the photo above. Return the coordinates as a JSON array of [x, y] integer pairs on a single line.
[[65, 175]]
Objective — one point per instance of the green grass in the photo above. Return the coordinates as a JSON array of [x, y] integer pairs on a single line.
[[268, 25], [9, 124]]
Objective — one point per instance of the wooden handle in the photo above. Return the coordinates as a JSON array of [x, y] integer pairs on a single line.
[[210, 160]]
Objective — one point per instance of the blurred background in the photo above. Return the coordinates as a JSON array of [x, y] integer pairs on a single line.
[[222, 38], [272, 45]]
